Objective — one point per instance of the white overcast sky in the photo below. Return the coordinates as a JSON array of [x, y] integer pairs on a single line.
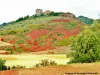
[[12, 9]]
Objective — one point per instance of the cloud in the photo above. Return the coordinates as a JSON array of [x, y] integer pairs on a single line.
[[12, 9]]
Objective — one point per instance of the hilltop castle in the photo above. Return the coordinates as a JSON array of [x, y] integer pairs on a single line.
[[38, 12]]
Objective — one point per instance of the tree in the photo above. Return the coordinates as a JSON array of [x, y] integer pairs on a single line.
[[26, 17], [42, 14], [2, 66], [86, 20], [4, 24], [12, 32], [51, 14], [54, 13], [19, 19], [86, 47]]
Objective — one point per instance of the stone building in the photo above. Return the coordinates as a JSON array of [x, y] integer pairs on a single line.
[[39, 12], [47, 12]]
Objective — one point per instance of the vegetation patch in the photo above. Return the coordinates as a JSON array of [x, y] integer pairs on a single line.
[[86, 47]]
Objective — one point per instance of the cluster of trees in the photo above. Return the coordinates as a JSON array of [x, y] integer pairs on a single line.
[[82, 18], [86, 46], [18, 20], [50, 14], [86, 20], [27, 17], [54, 14], [4, 67], [22, 18], [5, 24]]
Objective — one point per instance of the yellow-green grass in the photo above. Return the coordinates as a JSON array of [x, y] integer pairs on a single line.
[[30, 60]]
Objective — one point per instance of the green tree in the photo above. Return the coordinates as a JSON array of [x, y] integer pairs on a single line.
[[86, 20], [86, 47], [26, 17], [19, 19], [2, 65]]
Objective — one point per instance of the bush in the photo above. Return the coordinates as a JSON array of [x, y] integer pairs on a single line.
[[86, 47], [12, 32], [2, 65], [63, 42], [18, 67], [46, 62], [20, 42], [71, 25], [9, 50]]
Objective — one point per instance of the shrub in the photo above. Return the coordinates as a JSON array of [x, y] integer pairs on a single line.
[[37, 65], [10, 50], [46, 62], [86, 47], [71, 25], [20, 42], [63, 42], [12, 32], [18, 67], [2, 65], [19, 49]]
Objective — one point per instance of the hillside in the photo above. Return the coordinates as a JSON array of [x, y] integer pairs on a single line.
[[41, 33]]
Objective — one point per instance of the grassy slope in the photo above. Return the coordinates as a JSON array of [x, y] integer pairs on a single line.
[[24, 27], [29, 24]]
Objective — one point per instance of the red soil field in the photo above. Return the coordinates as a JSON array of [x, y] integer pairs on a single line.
[[61, 20], [38, 33], [35, 34], [9, 72]]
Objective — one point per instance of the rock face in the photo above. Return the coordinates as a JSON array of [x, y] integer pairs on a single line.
[[39, 12]]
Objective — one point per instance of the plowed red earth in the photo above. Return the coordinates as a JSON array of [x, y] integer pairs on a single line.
[[38, 33], [9, 72], [35, 34], [61, 20]]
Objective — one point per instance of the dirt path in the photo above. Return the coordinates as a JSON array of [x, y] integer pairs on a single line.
[[63, 70]]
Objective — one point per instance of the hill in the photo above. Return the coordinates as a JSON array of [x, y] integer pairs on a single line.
[[41, 33]]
